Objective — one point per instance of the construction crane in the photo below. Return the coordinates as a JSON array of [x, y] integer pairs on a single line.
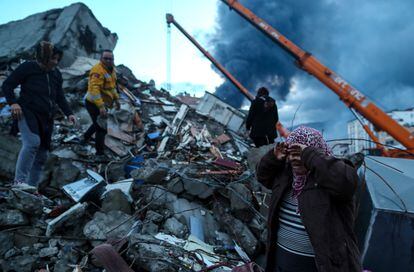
[[284, 132], [352, 97], [237, 84]]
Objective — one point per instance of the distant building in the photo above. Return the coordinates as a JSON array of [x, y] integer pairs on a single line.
[[360, 141], [404, 118]]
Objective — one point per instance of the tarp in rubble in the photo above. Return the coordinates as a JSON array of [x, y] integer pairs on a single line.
[[385, 224]]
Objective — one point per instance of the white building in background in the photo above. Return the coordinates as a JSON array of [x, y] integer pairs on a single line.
[[404, 118], [356, 131], [359, 139]]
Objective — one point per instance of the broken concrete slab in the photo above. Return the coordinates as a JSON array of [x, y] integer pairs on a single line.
[[12, 218], [150, 173], [237, 230], [64, 172], [12, 253], [9, 150], [78, 69], [150, 255], [241, 201], [23, 263], [22, 240], [116, 200], [113, 224], [175, 185], [66, 218], [255, 155], [150, 228], [28, 203], [174, 227], [74, 29], [198, 188], [6, 242], [155, 217], [48, 252]]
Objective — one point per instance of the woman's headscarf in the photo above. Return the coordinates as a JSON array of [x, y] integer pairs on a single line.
[[309, 137], [44, 52]]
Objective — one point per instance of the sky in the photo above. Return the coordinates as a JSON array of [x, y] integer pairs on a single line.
[[142, 32], [369, 43]]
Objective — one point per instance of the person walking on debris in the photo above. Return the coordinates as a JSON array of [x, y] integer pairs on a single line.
[[101, 95], [312, 209], [262, 119], [41, 89]]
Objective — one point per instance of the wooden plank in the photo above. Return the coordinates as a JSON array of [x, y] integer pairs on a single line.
[[114, 131], [115, 146]]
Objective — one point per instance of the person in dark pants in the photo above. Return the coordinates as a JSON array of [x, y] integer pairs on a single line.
[[262, 119], [101, 95], [41, 90], [97, 128], [312, 209]]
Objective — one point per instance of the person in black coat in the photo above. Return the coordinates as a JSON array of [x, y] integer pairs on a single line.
[[262, 118], [41, 91]]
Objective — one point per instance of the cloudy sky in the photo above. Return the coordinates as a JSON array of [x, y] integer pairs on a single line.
[[367, 42], [142, 32]]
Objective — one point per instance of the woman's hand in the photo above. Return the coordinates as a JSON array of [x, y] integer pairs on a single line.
[[280, 151]]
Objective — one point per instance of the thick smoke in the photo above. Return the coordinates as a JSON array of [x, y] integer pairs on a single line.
[[367, 42]]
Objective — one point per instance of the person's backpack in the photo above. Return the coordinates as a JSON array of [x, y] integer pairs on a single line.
[[268, 104]]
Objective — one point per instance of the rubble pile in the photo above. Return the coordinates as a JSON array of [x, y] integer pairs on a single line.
[[177, 194], [74, 29]]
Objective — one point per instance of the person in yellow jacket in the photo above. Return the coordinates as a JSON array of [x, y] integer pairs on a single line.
[[102, 94]]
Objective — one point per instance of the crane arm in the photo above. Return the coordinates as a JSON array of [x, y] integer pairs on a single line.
[[239, 86], [348, 94]]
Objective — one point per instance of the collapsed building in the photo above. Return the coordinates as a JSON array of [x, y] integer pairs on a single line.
[[178, 194]]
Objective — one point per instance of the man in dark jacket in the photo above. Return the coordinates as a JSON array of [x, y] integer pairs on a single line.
[[41, 90], [262, 119], [312, 209]]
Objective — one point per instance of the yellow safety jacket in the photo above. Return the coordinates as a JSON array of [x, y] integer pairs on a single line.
[[102, 86]]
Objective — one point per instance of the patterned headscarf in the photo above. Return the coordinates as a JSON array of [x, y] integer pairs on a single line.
[[309, 137]]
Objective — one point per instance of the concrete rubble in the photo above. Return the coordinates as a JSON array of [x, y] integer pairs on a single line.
[[178, 193]]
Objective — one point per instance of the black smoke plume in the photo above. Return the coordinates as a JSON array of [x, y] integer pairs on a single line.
[[367, 42]]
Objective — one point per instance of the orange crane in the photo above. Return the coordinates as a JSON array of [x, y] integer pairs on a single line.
[[352, 97], [171, 20]]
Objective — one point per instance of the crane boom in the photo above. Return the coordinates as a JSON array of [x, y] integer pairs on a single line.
[[352, 97], [239, 86]]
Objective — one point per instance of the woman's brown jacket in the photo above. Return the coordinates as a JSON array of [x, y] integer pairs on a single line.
[[326, 204]]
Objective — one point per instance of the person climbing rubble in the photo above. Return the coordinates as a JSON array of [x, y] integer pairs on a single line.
[[262, 118], [312, 211], [101, 95], [41, 90]]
